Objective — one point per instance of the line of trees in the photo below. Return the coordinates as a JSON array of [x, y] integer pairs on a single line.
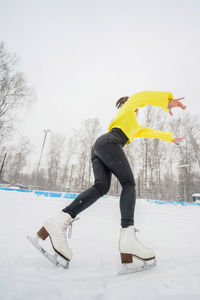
[[161, 170]]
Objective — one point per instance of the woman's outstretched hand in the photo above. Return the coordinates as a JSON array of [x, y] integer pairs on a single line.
[[177, 141], [175, 103]]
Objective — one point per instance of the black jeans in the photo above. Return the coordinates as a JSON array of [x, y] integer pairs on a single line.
[[108, 157]]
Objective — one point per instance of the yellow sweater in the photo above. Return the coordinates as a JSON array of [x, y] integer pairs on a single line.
[[126, 117]]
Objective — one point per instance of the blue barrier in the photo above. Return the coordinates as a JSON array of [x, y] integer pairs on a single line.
[[44, 193], [18, 190], [74, 195], [48, 194], [70, 196], [173, 202]]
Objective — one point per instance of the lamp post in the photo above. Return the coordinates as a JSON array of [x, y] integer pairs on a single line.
[[38, 166], [2, 165]]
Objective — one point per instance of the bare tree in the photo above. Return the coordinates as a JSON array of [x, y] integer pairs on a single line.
[[17, 160], [13, 91], [67, 170], [85, 139], [189, 154], [55, 160], [149, 155]]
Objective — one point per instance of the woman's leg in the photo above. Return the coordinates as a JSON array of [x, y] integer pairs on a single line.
[[108, 157], [114, 157], [101, 186]]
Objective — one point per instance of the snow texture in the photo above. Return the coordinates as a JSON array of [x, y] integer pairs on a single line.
[[173, 232]]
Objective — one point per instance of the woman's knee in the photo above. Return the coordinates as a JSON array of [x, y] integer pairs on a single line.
[[102, 188], [128, 183]]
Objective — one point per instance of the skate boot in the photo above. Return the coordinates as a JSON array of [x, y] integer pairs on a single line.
[[55, 227], [130, 247]]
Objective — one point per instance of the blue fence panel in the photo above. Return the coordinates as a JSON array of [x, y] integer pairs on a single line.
[[74, 195], [174, 202], [70, 195], [17, 190], [48, 194], [44, 193]]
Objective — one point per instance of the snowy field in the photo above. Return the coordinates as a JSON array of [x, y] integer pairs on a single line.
[[173, 232]]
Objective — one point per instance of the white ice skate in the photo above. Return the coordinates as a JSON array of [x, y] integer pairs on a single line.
[[130, 247], [55, 227]]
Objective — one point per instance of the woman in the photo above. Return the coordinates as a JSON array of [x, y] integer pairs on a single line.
[[108, 157]]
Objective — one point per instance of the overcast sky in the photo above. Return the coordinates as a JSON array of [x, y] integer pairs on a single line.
[[81, 56]]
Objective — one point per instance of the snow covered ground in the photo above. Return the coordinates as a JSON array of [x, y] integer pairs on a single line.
[[173, 231]]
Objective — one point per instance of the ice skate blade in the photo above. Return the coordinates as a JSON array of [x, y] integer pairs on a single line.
[[52, 258], [130, 268]]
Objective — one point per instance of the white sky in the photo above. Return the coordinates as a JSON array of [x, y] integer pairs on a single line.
[[81, 56]]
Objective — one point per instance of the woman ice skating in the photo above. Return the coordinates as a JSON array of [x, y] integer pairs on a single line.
[[108, 156]]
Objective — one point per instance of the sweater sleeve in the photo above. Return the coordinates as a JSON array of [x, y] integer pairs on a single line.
[[147, 132], [156, 98]]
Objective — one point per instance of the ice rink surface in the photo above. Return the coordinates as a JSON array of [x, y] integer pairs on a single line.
[[172, 231]]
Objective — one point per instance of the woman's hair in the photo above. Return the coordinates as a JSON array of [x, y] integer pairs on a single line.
[[121, 101]]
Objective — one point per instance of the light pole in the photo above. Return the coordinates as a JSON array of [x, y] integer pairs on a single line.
[[1, 170], [45, 136]]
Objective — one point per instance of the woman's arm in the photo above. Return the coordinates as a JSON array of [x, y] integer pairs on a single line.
[[162, 99], [147, 132], [155, 98]]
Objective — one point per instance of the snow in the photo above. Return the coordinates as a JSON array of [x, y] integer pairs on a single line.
[[196, 195], [173, 232]]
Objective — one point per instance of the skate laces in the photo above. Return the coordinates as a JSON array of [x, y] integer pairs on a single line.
[[70, 227], [68, 223]]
